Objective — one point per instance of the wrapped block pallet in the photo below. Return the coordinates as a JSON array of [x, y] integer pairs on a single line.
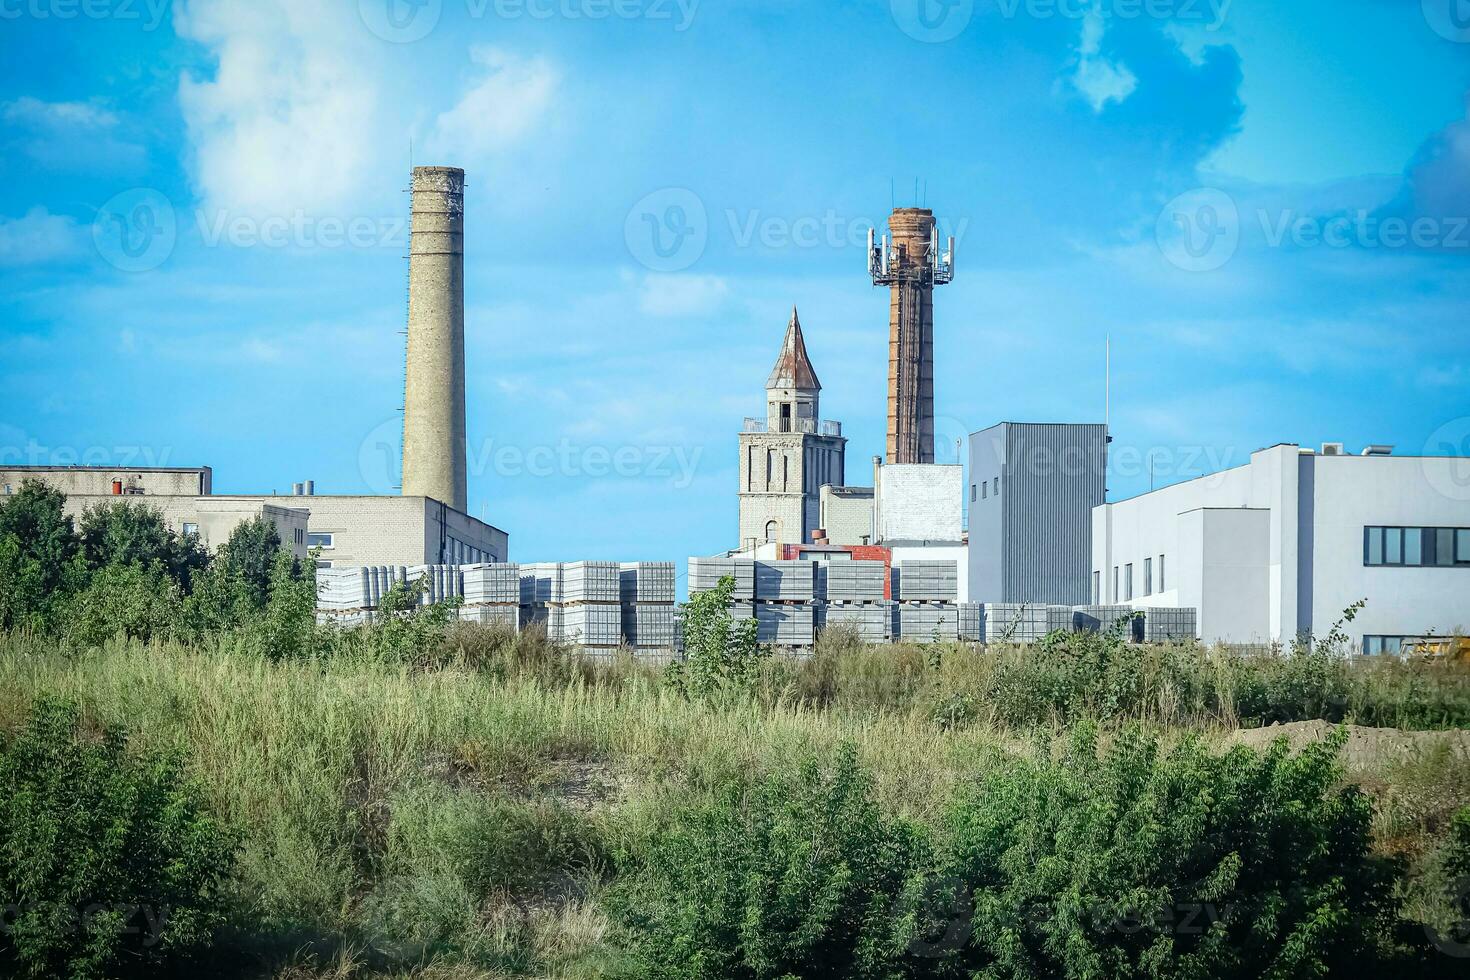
[[1012, 622], [869, 619]]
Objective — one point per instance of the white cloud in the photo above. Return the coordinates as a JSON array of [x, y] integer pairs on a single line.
[[29, 111], [291, 119], [1100, 81], [510, 96], [71, 136], [681, 295], [39, 237]]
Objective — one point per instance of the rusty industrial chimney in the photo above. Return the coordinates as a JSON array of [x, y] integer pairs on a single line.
[[434, 385], [911, 266]]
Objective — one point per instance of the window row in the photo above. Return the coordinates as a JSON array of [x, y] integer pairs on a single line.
[[1416, 546], [1123, 581], [985, 489]]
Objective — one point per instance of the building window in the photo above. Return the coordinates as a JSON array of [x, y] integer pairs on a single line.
[[1128, 582], [1148, 576], [983, 488], [1416, 547], [1162, 586], [1115, 584], [320, 540], [997, 486], [191, 529], [972, 492], [323, 564], [1097, 588], [773, 531], [300, 536]]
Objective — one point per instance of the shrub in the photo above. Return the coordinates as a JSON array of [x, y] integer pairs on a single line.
[[38, 555], [785, 876], [720, 654], [111, 860], [1139, 862], [124, 532], [123, 599]]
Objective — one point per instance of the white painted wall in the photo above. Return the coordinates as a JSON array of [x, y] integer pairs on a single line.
[[920, 502], [1234, 544]]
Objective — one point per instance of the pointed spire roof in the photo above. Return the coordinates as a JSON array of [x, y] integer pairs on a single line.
[[793, 368]]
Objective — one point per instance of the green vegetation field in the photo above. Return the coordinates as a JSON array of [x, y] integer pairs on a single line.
[[210, 785]]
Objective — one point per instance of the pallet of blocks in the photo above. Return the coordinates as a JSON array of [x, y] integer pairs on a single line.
[[1013, 622], [705, 574], [780, 624], [926, 581], [785, 581], [927, 622], [649, 614], [347, 596], [492, 594], [1059, 618], [971, 622], [851, 581], [870, 620], [1165, 625], [441, 582], [1100, 619], [585, 608]]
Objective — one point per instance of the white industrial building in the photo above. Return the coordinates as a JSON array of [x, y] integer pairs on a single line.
[[1283, 545]]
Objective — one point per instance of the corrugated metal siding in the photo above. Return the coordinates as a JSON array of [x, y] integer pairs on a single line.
[[1054, 474]]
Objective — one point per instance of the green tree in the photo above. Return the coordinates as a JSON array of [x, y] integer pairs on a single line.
[[133, 600], [236, 587], [720, 653], [126, 532], [38, 552]]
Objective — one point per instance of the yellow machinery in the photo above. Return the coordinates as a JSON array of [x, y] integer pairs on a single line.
[[1450, 649]]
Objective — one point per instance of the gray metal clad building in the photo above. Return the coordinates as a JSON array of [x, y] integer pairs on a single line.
[[1031, 493]]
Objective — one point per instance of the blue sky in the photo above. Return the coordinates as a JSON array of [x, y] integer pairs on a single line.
[[1263, 204]]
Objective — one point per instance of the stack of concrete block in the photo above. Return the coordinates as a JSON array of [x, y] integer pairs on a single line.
[[442, 582], [489, 615], [972, 622], [1013, 622], [646, 581], [926, 581], [851, 581], [1163, 625], [1094, 619], [492, 594], [925, 622], [650, 626], [785, 581], [1061, 618], [705, 574], [588, 581], [587, 624], [782, 624], [927, 607], [871, 620], [340, 589], [650, 618], [496, 584]]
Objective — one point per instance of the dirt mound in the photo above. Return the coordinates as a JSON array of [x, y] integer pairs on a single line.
[[1365, 746]]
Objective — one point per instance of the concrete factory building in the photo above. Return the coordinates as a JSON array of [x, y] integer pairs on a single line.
[[1033, 488], [197, 481], [786, 458], [1282, 545]]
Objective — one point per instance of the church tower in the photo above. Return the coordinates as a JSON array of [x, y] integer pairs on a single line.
[[786, 458]]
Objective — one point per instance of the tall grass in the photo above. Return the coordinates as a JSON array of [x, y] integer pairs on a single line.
[[472, 805]]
